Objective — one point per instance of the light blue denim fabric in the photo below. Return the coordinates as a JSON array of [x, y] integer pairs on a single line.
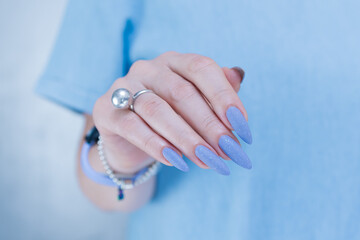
[[301, 91]]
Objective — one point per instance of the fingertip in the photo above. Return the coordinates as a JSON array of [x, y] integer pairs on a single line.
[[240, 72], [233, 77]]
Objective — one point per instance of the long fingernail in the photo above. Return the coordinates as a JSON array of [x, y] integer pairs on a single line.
[[234, 151], [239, 124], [175, 159], [211, 159], [241, 72]]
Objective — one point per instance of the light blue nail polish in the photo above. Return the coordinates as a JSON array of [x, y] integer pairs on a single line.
[[211, 159], [234, 151], [239, 124], [175, 159]]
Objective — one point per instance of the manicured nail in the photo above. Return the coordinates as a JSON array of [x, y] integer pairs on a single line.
[[239, 124], [234, 151], [175, 159], [241, 72], [211, 159]]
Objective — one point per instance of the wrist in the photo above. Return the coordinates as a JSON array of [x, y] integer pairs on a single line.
[[121, 180]]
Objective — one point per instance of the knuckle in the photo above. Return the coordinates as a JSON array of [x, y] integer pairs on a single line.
[[149, 141], [183, 138], [198, 63], [140, 66], [99, 110], [168, 54], [120, 82], [186, 139], [221, 94], [210, 123], [181, 91], [152, 106], [127, 124], [97, 106]]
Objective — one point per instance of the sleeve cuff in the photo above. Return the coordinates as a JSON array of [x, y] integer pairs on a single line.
[[75, 99]]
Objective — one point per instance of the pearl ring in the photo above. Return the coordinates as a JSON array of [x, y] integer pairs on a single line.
[[123, 98]]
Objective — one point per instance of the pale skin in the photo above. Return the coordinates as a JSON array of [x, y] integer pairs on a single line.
[[188, 109]]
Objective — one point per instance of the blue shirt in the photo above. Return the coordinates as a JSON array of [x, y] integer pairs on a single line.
[[301, 92]]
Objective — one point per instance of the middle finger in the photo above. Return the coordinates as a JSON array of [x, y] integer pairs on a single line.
[[209, 78], [187, 101]]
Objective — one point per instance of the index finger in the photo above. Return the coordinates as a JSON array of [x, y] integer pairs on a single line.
[[209, 78]]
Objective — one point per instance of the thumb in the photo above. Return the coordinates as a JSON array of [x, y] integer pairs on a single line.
[[235, 76]]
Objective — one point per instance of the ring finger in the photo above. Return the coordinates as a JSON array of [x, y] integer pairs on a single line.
[[160, 116]]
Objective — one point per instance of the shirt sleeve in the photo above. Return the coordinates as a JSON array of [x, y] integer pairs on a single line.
[[90, 52]]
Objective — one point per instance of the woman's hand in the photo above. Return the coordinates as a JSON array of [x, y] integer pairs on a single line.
[[192, 111]]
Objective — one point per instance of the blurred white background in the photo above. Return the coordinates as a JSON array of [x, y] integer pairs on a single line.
[[40, 197]]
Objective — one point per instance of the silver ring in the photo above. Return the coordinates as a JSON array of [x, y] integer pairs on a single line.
[[136, 95], [123, 98]]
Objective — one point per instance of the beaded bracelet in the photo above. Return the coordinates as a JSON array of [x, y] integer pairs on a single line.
[[121, 181]]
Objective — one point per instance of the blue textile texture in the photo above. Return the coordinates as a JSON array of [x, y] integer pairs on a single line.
[[301, 92]]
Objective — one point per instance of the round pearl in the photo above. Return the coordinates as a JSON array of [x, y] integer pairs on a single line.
[[121, 98]]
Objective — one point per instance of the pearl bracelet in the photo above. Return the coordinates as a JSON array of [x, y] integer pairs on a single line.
[[121, 181], [126, 182]]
